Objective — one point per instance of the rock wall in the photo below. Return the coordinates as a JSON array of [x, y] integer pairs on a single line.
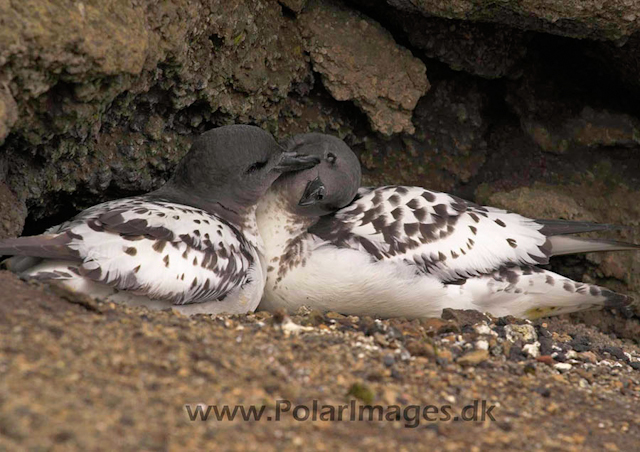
[[531, 106]]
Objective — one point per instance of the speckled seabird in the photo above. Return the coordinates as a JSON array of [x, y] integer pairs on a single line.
[[192, 245], [411, 252]]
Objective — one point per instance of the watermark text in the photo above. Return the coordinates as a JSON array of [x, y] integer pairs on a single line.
[[411, 415]]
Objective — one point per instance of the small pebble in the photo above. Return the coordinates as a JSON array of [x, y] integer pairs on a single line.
[[473, 358], [526, 333], [483, 329], [563, 367], [533, 350], [588, 357], [546, 359], [616, 352]]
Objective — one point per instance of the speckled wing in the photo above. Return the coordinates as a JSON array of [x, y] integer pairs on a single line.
[[441, 234], [158, 249]]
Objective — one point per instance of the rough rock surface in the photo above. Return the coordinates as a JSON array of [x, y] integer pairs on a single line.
[[596, 19], [383, 79], [294, 5], [482, 49], [449, 142], [12, 213], [559, 117], [621, 63], [107, 92], [8, 113], [590, 128]]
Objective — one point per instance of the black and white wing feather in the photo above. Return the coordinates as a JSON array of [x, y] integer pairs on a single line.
[[154, 248], [442, 234]]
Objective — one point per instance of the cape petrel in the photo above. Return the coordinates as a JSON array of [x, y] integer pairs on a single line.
[[399, 251]]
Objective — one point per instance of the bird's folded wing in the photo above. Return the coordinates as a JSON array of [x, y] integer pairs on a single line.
[[442, 234], [158, 249]]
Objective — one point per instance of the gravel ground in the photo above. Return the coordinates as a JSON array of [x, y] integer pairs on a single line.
[[80, 374]]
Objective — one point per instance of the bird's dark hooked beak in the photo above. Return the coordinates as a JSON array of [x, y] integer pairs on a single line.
[[293, 161], [313, 193]]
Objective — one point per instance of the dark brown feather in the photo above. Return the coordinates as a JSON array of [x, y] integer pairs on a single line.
[[51, 246], [563, 227]]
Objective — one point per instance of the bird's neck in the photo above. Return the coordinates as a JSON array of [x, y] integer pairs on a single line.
[[277, 225]]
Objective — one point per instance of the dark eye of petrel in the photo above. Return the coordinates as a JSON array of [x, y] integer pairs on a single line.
[[256, 166], [331, 158]]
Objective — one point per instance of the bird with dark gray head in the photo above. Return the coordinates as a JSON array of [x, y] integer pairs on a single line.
[[326, 187], [400, 251], [192, 245]]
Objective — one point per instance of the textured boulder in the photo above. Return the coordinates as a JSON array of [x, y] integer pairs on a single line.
[[12, 213], [383, 79], [487, 50], [539, 201], [448, 147], [560, 115], [590, 128], [597, 19], [8, 113], [108, 93], [294, 5]]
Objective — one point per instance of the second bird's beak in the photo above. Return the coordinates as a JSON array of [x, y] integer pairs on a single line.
[[313, 193], [292, 161]]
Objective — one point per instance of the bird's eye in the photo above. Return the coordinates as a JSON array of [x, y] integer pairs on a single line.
[[255, 167], [331, 158]]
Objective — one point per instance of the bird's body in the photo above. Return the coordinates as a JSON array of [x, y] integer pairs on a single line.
[[192, 245], [410, 252], [144, 251]]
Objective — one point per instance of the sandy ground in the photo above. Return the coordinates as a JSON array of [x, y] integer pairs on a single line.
[[76, 374]]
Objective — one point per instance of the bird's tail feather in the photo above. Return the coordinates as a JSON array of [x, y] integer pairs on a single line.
[[564, 227], [561, 244], [531, 292], [52, 246], [20, 264]]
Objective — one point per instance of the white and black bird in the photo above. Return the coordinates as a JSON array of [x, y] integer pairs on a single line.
[[192, 245], [411, 252]]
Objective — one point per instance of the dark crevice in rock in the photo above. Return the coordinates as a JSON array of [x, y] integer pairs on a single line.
[[288, 12], [216, 41]]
